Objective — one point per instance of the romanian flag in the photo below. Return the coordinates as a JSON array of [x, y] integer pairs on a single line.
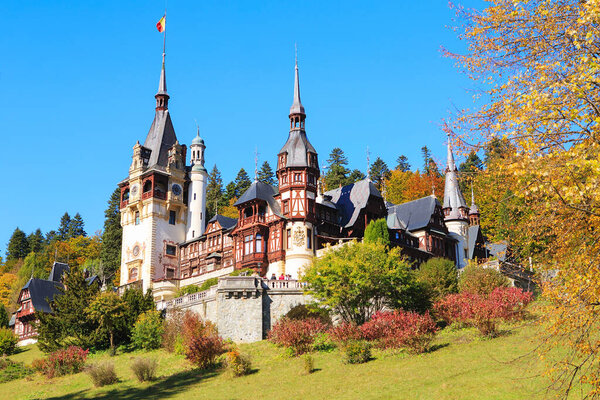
[[160, 25]]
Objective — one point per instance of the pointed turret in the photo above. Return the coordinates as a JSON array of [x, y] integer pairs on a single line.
[[297, 107], [162, 134], [473, 210], [455, 206]]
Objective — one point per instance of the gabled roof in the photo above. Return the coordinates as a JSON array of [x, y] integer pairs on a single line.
[[297, 148], [474, 235], [260, 191], [161, 137], [350, 199], [41, 291], [415, 214], [58, 270], [225, 222], [393, 222]]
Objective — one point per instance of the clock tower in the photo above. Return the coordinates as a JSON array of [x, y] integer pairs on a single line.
[[153, 210], [298, 174]]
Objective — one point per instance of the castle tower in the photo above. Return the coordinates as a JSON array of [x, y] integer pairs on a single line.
[[298, 173], [153, 212], [455, 209], [473, 210], [197, 190]]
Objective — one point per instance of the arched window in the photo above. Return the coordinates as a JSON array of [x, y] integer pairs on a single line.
[[133, 274]]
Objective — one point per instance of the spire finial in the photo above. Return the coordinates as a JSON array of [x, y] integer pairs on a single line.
[[256, 164], [368, 164], [297, 107], [472, 194], [451, 166]]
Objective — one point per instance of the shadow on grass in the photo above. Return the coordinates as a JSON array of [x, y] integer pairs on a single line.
[[161, 389], [437, 347]]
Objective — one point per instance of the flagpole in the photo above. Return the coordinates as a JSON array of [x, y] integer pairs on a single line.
[[165, 32]]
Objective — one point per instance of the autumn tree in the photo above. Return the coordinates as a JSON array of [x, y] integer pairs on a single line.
[[538, 64]]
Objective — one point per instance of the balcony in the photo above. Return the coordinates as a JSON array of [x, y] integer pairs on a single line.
[[259, 218], [25, 312], [156, 194]]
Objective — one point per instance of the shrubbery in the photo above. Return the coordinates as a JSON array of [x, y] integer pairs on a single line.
[[401, 329], [303, 311], [297, 335], [323, 342], [345, 332], [202, 343], [438, 277], [148, 331], [308, 362], [476, 279], [62, 362], [8, 341], [239, 364], [103, 374], [11, 370], [144, 369], [484, 312], [172, 338], [356, 352], [207, 284], [187, 290]]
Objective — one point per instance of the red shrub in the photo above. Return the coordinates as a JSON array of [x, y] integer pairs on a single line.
[[345, 332], [297, 334], [62, 362], [202, 343], [502, 304], [401, 329]]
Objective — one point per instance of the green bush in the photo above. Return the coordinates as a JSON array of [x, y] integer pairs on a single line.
[[247, 271], [356, 352], [188, 290], [8, 341], [144, 369], [4, 317], [303, 311], [11, 370], [475, 279], [377, 231], [207, 284], [103, 374], [308, 362], [239, 364], [323, 343], [438, 277], [148, 331]]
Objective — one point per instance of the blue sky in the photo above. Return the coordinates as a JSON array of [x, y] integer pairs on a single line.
[[78, 81]]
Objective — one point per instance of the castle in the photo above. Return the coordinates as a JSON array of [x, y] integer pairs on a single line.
[[168, 244]]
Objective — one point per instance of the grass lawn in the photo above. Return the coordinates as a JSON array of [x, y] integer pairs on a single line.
[[462, 367]]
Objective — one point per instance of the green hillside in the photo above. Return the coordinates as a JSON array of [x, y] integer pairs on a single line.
[[462, 366]]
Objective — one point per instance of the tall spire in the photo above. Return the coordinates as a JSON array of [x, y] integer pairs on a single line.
[[455, 206], [162, 98], [296, 107], [451, 166]]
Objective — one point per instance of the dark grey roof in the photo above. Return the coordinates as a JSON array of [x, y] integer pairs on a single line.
[[261, 191], [393, 222], [350, 199], [41, 291], [92, 279], [161, 137], [13, 319], [297, 148], [498, 250], [415, 214], [58, 269], [474, 233], [225, 222]]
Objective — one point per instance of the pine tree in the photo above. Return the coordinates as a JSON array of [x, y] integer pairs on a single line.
[[110, 252], [36, 241], [51, 236], [242, 182], [266, 175], [355, 176], [402, 164], [4, 317], [76, 227], [17, 246], [426, 159], [63, 229], [229, 191], [377, 231], [68, 322], [214, 192], [378, 172], [337, 173]]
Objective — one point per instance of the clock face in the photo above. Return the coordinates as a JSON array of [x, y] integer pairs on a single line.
[[134, 189], [136, 251], [176, 189]]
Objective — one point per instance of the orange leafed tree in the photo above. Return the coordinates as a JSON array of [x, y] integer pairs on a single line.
[[538, 64]]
